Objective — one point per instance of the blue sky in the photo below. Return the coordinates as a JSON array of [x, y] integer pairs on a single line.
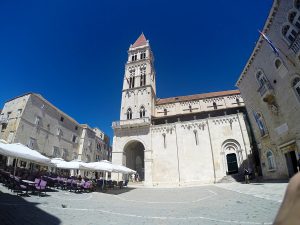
[[73, 52]]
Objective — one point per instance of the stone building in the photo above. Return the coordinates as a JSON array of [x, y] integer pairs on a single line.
[[186, 140], [33, 121], [270, 86]]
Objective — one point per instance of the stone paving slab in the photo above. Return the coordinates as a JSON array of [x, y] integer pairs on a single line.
[[212, 204]]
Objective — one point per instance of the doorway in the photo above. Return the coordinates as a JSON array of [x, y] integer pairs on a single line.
[[232, 163], [291, 162]]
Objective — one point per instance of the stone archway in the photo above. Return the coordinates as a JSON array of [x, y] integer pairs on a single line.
[[133, 157], [232, 156]]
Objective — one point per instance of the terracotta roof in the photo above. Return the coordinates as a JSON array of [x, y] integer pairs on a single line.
[[196, 97], [140, 41]]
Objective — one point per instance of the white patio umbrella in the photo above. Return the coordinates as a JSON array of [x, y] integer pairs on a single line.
[[20, 151], [72, 165], [123, 169], [56, 161], [98, 166]]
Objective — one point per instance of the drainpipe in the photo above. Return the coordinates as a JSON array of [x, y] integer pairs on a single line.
[[211, 149], [243, 139]]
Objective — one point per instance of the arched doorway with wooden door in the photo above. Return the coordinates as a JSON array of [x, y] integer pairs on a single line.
[[133, 157], [232, 156]]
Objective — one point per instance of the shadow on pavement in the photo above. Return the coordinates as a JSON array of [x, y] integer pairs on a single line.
[[117, 191], [16, 210]]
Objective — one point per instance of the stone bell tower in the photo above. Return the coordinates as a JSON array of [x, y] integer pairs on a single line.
[[132, 136], [139, 89]]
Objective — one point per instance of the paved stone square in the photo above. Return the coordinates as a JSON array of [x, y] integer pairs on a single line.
[[231, 203]]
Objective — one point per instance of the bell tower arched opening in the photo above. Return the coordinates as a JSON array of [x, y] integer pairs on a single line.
[[133, 158]]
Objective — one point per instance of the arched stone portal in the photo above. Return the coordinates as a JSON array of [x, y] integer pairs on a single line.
[[232, 156], [133, 157]]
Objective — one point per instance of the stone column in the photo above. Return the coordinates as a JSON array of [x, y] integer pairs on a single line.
[[148, 167]]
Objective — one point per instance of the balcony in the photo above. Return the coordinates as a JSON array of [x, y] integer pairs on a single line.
[[3, 119], [140, 122], [267, 93], [295, 46]]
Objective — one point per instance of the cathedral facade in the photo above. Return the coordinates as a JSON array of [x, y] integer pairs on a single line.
[[178, 141]]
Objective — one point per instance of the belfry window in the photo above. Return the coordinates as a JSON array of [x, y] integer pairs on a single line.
[[129, 114], [142, 112], [143, 77], [134, 57], [131, 82], [143, 55], [190, 108]]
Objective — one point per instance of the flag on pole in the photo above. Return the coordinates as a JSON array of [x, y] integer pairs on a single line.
[[274, 48]]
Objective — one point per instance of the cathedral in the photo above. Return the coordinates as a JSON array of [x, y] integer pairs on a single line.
[[178, 141]]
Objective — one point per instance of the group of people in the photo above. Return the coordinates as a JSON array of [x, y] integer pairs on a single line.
[[135, 177]]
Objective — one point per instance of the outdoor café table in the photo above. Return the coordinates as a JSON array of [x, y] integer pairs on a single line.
[[28, 183]]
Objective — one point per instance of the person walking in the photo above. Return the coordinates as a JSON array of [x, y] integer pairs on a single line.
[[246, 174]]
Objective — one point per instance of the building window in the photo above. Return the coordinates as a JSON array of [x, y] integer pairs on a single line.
[[215, 105], [76, 127], [237, 101], [19, 112], [297, 4], [196, 137], [261, 78], [8, 115], [129, 114], [59, 132], [31, 143], [142, 112], [271, 161], [278, 63], [64, 154], [74, 138], [260, 123], [56, 152], [62, 119], [74, 155], [292, 16], [289, 33], [190, 108], [38, 121], [296, 86], [4, 126], [165, 112], [10, 137], [164, 140]]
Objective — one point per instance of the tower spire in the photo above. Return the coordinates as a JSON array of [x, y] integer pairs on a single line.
[[140, 41]]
